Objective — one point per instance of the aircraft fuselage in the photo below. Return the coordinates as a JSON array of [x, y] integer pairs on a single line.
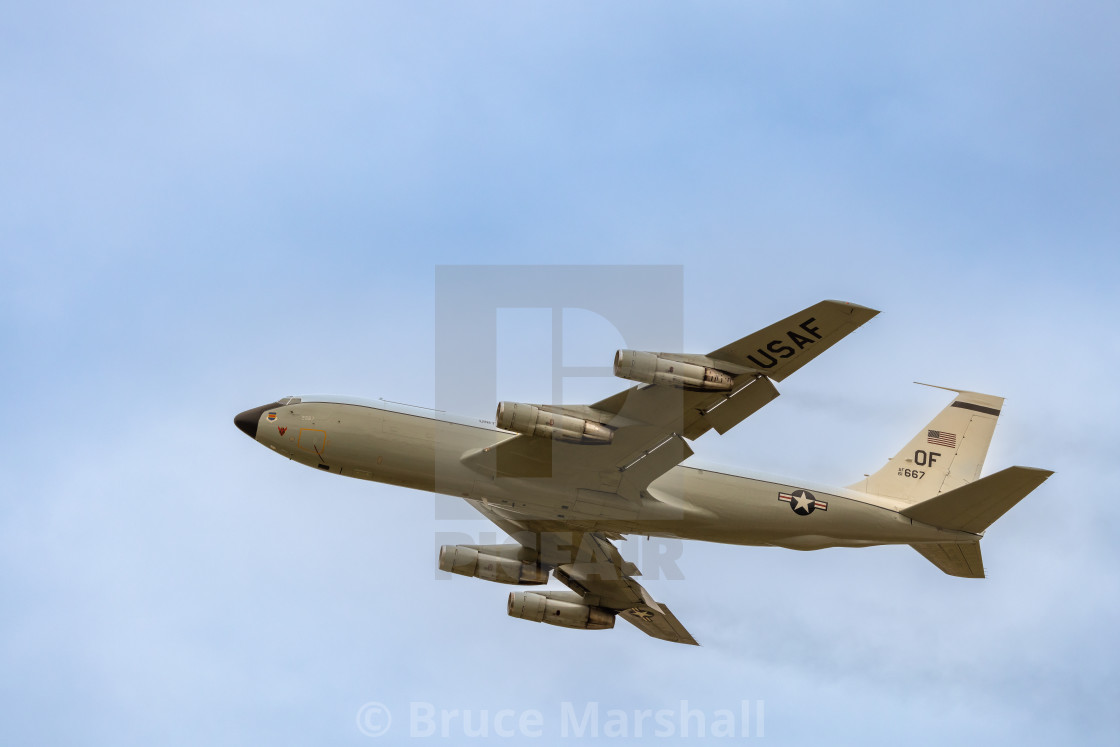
[[424, 449]]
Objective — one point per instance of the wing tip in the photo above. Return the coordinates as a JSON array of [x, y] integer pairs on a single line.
[[1041, 472], [866, 312]]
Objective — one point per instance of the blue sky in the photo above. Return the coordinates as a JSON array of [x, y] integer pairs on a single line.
[[209, 205]]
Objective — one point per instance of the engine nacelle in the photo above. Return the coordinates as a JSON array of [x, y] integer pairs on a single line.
[[563, 608], [531, 420], [656, 368], [476, 562]]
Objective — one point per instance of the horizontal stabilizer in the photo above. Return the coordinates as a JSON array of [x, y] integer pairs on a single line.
[[975, 506], [957, 559]]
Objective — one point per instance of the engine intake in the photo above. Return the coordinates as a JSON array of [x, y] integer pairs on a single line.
[[563, 608], [496, 563], [660, 368], [531, 420]]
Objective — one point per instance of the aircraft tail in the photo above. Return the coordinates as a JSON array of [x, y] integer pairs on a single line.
[[936, 475], [945, 455], [972, 508], [975, 507]]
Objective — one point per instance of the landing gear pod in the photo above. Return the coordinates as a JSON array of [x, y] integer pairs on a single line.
[[657, 368]]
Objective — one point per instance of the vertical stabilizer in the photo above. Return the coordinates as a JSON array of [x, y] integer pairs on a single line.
[[946, 454]]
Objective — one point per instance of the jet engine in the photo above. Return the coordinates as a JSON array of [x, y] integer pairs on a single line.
[[563, 608], [656, 368], [495, 565], [531, 420]]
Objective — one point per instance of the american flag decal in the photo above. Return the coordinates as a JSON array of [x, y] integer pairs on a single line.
[[943, 438]]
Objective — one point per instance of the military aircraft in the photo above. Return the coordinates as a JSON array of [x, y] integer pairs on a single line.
[[565, 481]]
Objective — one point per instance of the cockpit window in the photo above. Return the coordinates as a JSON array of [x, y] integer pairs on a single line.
[[288, 401]]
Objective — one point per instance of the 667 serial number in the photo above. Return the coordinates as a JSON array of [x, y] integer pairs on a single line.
[[923, 458]]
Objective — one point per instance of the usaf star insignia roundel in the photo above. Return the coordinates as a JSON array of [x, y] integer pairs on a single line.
[[802, 502]]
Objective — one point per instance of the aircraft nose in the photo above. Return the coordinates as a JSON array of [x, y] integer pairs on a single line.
[[248, 421]]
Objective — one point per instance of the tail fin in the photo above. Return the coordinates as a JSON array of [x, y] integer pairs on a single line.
[[943, 456]]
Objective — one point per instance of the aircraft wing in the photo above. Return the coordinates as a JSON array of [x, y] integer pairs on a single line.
[[651, 423], [589, 564], [608, 587]]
